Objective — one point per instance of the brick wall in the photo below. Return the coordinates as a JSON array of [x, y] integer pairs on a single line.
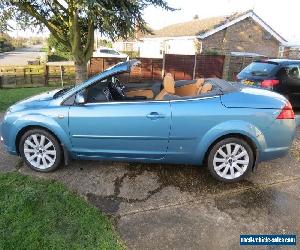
[[236, 64], [291, 53], [245, 36]]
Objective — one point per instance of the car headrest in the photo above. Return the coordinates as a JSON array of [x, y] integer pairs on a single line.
[[200, 82], [206, 88], [169, 84]]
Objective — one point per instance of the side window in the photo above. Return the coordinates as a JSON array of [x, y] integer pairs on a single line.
[[98, 92], [293, 71], [106, 90]]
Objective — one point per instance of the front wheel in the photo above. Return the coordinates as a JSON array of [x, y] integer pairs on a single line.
[[230, 160], [40, 150]]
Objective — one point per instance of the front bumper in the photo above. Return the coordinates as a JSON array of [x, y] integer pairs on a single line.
[[4, 141], [1, 138]]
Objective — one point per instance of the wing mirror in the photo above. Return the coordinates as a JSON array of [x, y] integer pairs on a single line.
[[80, 98]]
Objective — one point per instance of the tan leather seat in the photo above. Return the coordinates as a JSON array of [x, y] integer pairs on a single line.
[[189, 89], [207, 87], [140, 92], [169, 87]]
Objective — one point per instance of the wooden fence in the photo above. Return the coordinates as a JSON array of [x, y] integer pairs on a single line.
[[182, 67], [150, 68], [36, 75]]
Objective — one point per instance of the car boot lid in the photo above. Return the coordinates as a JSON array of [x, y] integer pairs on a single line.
[[250, 97]]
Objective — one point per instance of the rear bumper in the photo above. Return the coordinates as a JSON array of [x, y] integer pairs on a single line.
[[278, 140], [273, 153]]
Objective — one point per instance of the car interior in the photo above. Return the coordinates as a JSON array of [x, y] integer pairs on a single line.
[[113, 89]]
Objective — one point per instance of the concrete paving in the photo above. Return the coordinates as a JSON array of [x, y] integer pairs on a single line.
[[21, 56], [183, 207]]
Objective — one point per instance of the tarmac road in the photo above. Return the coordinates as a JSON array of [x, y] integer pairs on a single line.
[[20, 56]]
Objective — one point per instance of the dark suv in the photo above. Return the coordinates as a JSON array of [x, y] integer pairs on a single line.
[[280, 75]]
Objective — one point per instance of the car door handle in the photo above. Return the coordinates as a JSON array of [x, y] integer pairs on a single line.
[[155, 115]]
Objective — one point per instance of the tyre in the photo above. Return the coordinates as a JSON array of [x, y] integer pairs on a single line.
[[40, 150], [230, 160]]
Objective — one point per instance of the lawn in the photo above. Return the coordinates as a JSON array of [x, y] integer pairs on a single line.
[[39, 214], [11, 96]]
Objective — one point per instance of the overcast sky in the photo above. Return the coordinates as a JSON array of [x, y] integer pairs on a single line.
[[282, 16]]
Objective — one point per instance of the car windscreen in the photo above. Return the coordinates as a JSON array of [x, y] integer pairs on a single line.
[[258, 69]]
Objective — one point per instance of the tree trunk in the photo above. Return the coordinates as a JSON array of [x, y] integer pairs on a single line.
[[80, 72]]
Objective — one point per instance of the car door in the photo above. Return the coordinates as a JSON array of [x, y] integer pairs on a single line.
[[292, 83], [135, 130], [191, 120]]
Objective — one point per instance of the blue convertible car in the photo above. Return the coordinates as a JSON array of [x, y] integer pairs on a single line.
[[228, 128]]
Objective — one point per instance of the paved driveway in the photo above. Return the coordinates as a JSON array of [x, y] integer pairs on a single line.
[[182, 207], [20, 56]]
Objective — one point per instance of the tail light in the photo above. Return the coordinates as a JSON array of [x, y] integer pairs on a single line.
[[287, 112], [269, 83]]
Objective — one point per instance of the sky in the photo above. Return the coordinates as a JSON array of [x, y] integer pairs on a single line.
[[282, 16]]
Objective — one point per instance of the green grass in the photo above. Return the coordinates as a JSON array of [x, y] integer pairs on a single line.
[[38, 214], [11, 96]]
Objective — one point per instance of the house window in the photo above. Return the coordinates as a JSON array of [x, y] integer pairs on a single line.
[[281, 51]]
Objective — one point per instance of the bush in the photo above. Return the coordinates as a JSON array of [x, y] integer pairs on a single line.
[[7, 49], [61, 52], [5, 45]]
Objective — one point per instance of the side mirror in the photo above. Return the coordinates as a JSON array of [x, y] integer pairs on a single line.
[[80, 98]]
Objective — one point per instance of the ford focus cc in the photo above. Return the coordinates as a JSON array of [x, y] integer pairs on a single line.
[[227, 127]]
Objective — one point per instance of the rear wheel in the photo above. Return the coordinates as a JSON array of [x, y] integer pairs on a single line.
[[230, 160], [40, 150]]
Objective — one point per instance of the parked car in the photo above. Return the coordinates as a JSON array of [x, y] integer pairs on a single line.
[[280, 75], [229, 128], [108, 52]]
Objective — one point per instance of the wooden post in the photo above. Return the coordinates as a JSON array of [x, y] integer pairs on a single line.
[[61, 75], [24, 75], [15, 76], [152, 77], [227, 67], [195, 65], [46, 75], [163, 65]]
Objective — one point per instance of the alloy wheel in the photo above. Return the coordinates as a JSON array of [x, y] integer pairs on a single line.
[[40, 151], [231, 161]]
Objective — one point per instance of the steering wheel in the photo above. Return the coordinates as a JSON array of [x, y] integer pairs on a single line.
[[118, 87]]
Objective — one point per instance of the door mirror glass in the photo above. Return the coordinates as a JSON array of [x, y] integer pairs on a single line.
[[80, 98]]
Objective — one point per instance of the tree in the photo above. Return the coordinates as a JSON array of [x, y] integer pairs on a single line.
[[73, 22], [57, 51]]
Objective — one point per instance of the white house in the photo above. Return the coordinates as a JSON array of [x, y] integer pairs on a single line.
[[155, 47]]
